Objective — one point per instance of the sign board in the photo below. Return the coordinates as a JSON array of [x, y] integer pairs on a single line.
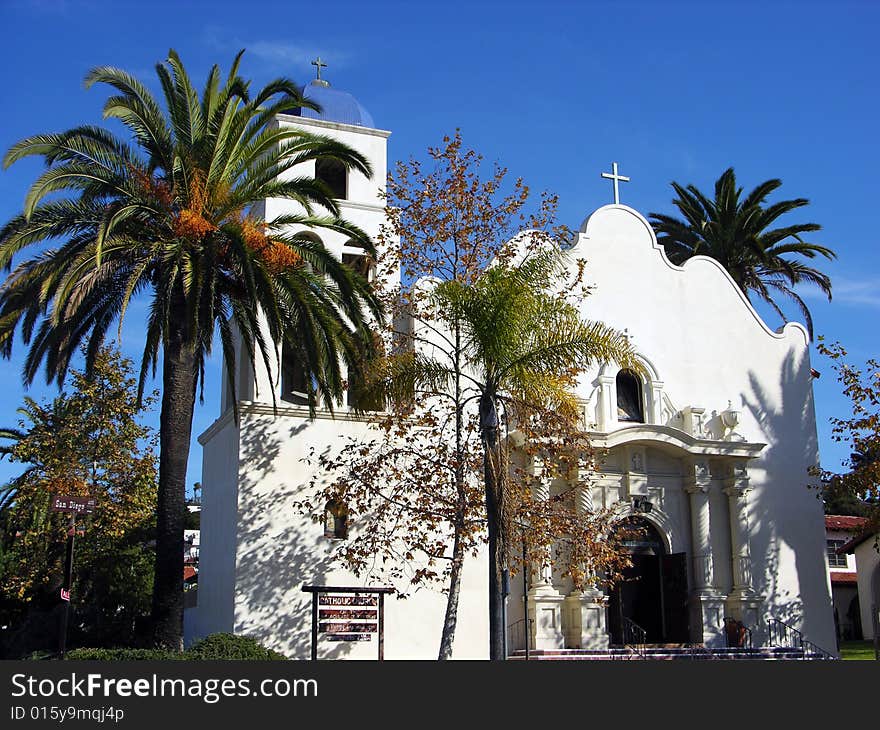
[[65, 594], [76, 505], [347, 617], [347, 614]]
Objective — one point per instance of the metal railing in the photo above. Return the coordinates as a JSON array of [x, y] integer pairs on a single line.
[[634, 636], [737, 634], [813, 651], [518, 637], [783, 635]]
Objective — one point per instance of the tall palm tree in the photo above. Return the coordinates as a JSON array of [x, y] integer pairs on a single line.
[[173, 215], [735, 231], [520, 344]]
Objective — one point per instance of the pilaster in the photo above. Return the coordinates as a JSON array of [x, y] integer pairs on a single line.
[[697, 480], [743, 603]]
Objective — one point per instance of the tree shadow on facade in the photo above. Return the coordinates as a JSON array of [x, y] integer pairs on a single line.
[[783, 511], [275, 554]]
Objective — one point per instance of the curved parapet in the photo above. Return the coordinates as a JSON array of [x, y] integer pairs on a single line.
[[638, 229]]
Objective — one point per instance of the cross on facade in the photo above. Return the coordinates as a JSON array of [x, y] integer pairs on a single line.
[[318, 64], [616, 178]]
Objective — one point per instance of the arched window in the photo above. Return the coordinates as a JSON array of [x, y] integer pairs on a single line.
[[629, 397], [334, 175], [335, 520]]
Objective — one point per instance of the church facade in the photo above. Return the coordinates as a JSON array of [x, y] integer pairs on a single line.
[[707, 450]]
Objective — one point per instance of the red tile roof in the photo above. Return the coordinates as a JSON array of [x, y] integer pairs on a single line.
[[851, 546], [846, 579], [844, 522]]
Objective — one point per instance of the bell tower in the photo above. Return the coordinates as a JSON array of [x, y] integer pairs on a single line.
[[360, 200]]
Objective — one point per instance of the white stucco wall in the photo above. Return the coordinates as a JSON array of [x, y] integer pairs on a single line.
[[868, 567], [709, 346]]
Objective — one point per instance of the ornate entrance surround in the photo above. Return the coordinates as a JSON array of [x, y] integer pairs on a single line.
[[709, 467]]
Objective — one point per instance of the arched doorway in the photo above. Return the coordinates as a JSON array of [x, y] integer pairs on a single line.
[[653, 592]]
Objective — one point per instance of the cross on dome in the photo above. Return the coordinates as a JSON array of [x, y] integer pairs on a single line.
[[319, 64]]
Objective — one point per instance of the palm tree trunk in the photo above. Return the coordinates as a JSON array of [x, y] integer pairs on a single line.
[[175, 429], [491, 476], [450, 619]]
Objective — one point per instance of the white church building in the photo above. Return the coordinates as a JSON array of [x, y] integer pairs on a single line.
[[709, 450]]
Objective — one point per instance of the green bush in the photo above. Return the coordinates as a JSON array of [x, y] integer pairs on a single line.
[[230, 646], [215, 646], [123, 655]]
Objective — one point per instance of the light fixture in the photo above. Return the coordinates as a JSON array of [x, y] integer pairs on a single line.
[[641, 504]]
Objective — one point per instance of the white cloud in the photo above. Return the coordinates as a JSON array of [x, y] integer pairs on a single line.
[[274, 51], [857, 292]]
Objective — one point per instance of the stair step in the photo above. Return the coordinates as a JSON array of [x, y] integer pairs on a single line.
[[660, 653]]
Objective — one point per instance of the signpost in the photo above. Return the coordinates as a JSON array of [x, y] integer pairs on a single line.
[[348, 614], [73, 506]]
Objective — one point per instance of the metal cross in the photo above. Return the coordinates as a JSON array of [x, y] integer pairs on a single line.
[[318, 63], [615, 177]]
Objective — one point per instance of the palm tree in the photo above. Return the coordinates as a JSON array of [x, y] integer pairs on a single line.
[[736, 232], [520, 346], [174, 216]]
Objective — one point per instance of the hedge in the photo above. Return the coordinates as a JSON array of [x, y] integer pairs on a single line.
[[215, 646]]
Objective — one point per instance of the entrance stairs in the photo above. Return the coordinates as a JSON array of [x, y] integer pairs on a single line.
[[785, 644], [667, 652]]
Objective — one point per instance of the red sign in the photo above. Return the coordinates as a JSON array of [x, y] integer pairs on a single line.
[[355, 600], [65, 595], [77, 505]]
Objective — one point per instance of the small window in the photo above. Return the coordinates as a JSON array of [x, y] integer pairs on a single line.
[[336, 520], [835, 560], [361, 395], [293, 378], [629, 397], [334, 175], [360, 263]]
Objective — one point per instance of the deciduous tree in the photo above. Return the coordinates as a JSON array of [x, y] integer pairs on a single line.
[[483, 342], [89, 442], [859, 485]]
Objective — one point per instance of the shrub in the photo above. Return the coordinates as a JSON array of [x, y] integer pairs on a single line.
[[230, 646], [123, 655], [215, 646]]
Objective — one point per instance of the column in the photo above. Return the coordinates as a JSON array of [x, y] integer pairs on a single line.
[[706, 602], [697, 482], [743, 603], [544, 601], [607, 403], [585, 626], [655, 402]]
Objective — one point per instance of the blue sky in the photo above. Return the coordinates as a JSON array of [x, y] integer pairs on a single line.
[[554, 91]]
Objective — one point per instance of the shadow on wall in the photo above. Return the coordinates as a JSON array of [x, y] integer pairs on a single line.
[[785, 515], [274, 559]]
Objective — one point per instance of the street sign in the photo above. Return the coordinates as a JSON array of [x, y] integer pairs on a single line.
[[76, 505], [65, 595]]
